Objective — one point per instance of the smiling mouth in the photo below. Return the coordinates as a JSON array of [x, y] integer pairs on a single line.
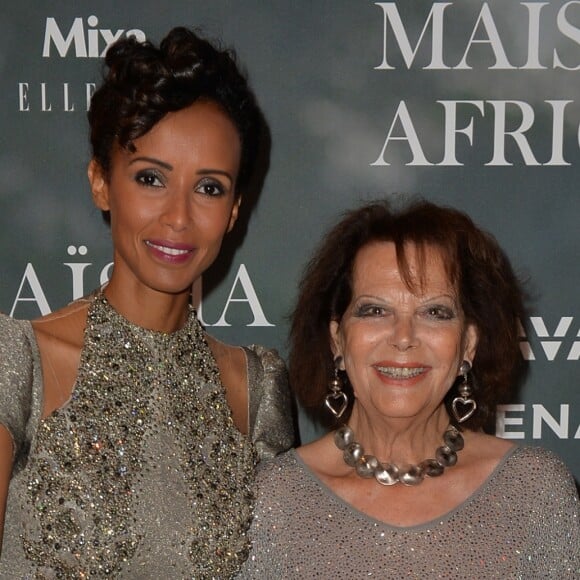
[[401, 372], [167, 250]]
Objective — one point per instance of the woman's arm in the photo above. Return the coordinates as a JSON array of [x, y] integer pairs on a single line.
[[555, 516], [6, 452], [271, 409], [19, 389]]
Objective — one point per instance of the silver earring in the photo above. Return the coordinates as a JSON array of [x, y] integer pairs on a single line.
[[337, 400], [464, 406]]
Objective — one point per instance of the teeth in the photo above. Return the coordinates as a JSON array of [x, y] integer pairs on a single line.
[[166, 250], [401, 372]]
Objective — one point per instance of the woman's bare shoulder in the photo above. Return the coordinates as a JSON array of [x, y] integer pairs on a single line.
[[477, 461], [232, 365], [60, 338], [320, 457], [480, 447], [227, 355], [65, 326], [231, 361]]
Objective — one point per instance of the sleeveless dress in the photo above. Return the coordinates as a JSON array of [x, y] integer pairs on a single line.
[[142, 474]]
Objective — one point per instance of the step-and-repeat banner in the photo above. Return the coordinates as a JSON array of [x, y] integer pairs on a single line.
[[469, 103]]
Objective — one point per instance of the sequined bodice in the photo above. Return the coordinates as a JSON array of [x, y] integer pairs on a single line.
[[143, 464], [520, 524]]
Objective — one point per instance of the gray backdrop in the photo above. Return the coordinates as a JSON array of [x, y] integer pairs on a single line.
[[468, 103]]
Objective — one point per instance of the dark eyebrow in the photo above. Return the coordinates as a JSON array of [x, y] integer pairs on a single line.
[[152, 160], [215, 171]]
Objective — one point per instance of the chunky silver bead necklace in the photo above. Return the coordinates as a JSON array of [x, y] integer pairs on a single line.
[[368, 466]]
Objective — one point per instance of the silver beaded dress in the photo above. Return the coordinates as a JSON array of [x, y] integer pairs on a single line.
[[142, 474], [523, 522]]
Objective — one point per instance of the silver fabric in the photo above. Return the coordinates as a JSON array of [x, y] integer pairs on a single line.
[[270, 412], [524, 522], [142, 474]]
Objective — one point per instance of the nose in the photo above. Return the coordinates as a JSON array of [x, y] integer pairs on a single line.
[[177, 211], [403, 336]]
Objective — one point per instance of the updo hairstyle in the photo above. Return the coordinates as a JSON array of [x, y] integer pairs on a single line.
[[142, 83]]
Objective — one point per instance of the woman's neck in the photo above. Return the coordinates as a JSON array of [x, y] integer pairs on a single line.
[[399, 440], [148, 308]]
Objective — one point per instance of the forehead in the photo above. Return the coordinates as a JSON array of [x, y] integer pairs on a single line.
[[201, 120], [198, 136], [423, 271]]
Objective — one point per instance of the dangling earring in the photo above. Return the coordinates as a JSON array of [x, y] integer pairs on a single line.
[[337, 400], [464, 400]]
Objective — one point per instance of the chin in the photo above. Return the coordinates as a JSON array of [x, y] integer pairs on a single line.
[[394, 411], [172, 288]]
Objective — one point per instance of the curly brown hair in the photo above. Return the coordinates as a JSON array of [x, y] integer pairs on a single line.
[[489, 292], [142, 83]]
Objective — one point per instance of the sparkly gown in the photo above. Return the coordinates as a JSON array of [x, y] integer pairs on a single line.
[[523, 522], [142, 474]]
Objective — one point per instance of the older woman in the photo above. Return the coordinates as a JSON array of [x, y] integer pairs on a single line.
[[127, 434], [406, 331]]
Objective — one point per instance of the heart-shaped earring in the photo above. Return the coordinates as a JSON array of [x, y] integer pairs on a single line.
[[468, 407], [337, 400], [336, 403], [463, 406]]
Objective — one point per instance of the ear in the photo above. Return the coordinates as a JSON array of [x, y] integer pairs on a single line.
[[470, 340], [336, 340], [99, 185], [235, 212]]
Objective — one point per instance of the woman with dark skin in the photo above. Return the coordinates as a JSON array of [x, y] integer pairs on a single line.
[[128, 436], [406, 333]]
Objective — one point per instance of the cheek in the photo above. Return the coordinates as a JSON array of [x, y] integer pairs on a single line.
[[130, 211], [447, 345], [126, 222], [214, 224], [359, 342]]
